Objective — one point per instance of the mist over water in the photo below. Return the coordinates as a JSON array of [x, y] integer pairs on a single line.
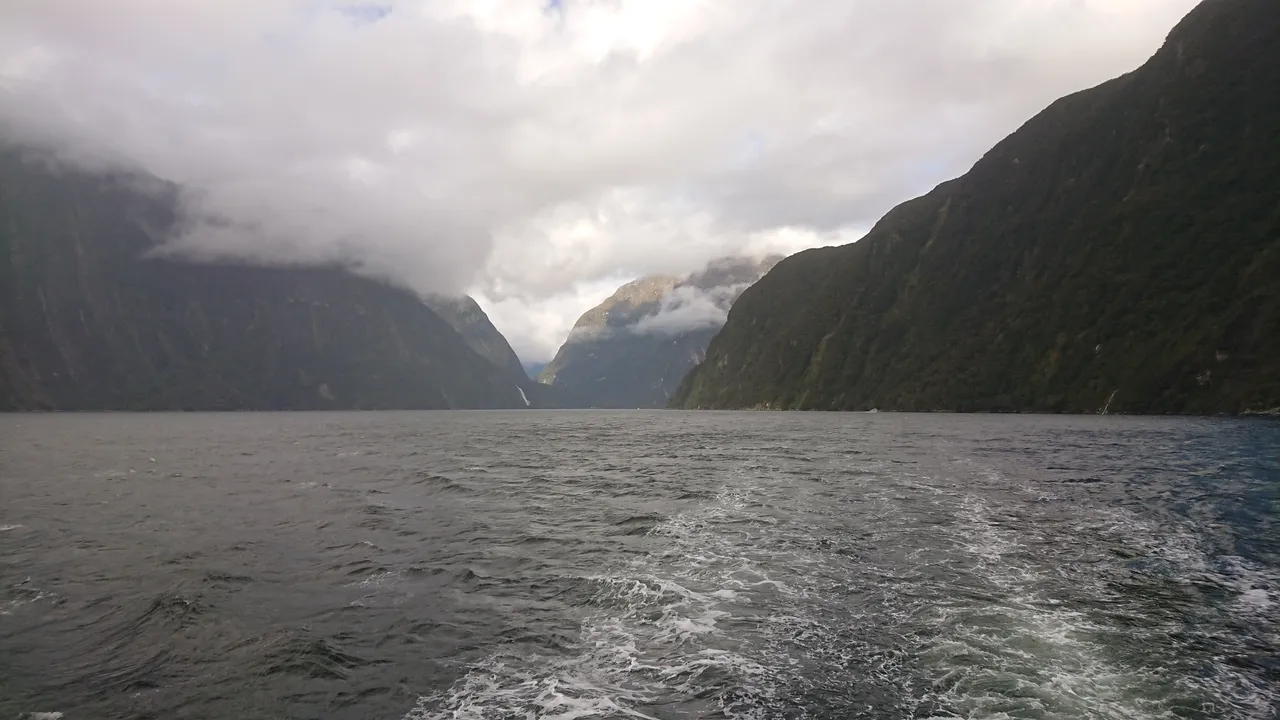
[[638, 565]]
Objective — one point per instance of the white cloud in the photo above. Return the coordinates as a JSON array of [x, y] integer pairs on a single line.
[[537, 328], [689, 308], [532, 155]]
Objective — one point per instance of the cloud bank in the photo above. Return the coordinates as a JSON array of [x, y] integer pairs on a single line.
[[530, 152], [688, 308]]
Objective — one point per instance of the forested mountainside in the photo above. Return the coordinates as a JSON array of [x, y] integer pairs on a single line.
[[632, 350], [88, 322], [1120, 251]]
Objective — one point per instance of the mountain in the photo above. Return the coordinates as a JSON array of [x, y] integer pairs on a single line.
[[632, 350], [90, 321], [465, 315], [1120, 251]]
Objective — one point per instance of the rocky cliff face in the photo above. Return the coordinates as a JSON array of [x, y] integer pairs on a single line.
[[1121, 251], [632, 350], [89, 322]]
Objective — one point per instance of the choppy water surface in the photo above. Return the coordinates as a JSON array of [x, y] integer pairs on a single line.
[[638, 565]]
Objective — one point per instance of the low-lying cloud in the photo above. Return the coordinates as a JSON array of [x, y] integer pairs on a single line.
[[687, 308], [528, 152]]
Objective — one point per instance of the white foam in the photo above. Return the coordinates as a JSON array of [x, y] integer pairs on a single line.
[[1064, 652], [659, 628], [8, 528], [44, 716], [27, 595], [382, 579], [1256, 598], [650, 641]]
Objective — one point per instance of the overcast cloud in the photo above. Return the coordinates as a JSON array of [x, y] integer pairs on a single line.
[[536, 153]]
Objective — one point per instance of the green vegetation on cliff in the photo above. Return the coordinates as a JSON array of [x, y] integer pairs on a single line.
[[87, 322], [1121, 249]]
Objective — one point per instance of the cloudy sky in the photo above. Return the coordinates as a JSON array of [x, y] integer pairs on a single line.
[[538, 153]]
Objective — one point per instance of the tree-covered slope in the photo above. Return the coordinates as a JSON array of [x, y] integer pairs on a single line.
[[1122, 248], [633, 349], [88, 323]]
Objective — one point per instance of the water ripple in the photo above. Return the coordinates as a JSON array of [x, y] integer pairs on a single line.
[[570, 565]]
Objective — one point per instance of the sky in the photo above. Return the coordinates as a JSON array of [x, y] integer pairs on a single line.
[[539, 153]]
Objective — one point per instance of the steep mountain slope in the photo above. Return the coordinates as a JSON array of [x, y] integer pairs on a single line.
[[88, 323], [633, 349], [466, 316], [1121, 249]]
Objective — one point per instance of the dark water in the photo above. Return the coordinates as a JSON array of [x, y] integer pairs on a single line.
[[638, 565]]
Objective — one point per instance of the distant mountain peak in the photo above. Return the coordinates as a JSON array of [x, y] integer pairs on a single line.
[[633, 348]]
